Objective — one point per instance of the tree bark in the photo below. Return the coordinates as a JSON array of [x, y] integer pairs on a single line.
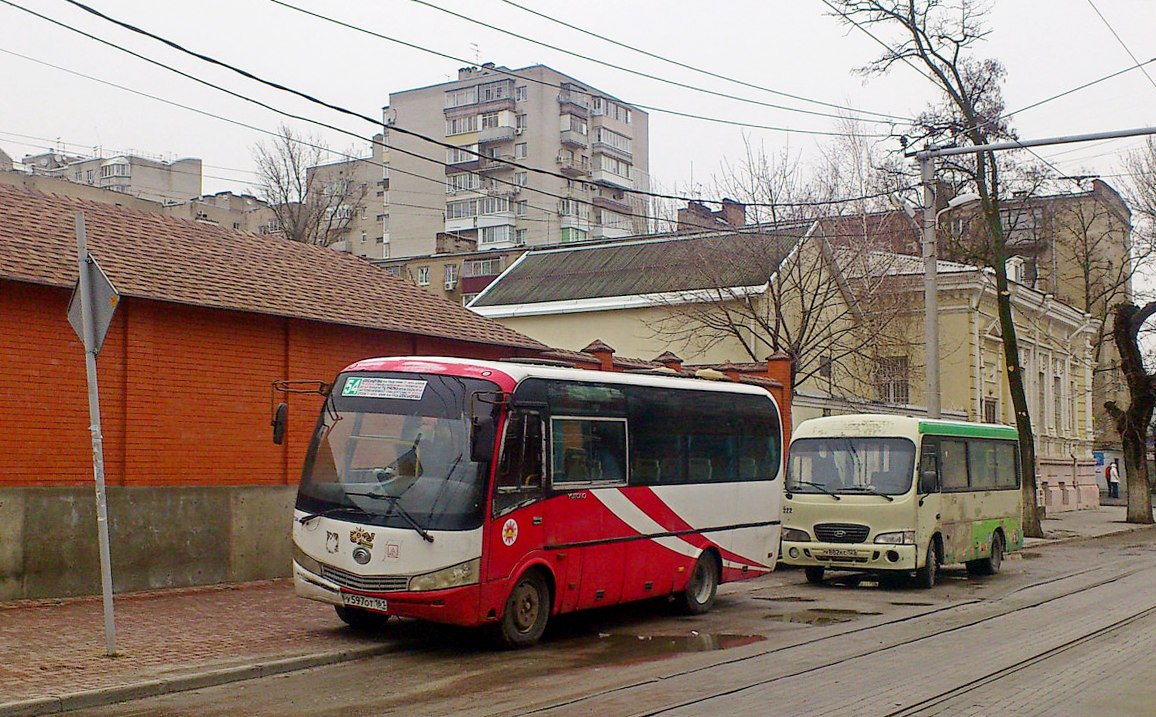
[[1132, 423]]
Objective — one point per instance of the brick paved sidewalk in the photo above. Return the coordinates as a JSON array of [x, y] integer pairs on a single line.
[[165, 640]]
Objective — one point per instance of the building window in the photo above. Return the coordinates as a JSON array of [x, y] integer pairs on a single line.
[[458, 155], [520, 178], [423, 276], [573, 208], [462, 182], [1057, 402], [520, 237], [499, 90], [494, 205], [392, 270], [520, 150], [520, 121], [364, 236], [458, 210], [461, 125], [990, 410], [614, 165], [490, 120], [520, 93], [612, 139], [891, 376], [467, 298], [520, 207], [494, 235], [482, 267], [464, 96], [451, 276], [570, 234]]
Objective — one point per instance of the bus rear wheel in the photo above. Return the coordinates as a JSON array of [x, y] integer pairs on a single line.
[[361, 620], [991, 564], [527, 611], [702, 587]]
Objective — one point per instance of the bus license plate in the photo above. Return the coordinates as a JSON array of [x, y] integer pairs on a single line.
[[836, 553], [371, 603]]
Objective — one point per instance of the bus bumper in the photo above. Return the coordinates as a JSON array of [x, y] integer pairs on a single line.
[[455, 606], [874, 557]]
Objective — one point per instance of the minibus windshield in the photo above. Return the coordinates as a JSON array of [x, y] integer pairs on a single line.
[[841, 465]]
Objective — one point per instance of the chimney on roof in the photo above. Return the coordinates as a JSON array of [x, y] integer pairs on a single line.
[[669, 360], [602, 352], [454, 244], [697, 217], [734, 213], [466, 73]]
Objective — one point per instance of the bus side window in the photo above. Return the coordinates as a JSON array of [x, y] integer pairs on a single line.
[[519, 478]]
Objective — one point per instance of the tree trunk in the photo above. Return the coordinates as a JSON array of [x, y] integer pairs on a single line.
[[1132, 423]]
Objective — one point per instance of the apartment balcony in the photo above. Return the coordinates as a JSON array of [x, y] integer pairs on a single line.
[[490, 135], [472, 166], [477, 108], [601, 176], [602, 231], [576, 167], [461, 224], [611, 150], [571, 221], [613, 205], [571, 138], [497, 219], [492, 164]]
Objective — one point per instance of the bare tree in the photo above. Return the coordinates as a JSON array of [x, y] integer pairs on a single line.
[[312, 201], [1133, 422], [936, 37]]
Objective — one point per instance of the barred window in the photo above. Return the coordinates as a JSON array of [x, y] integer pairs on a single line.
[[891, 377]]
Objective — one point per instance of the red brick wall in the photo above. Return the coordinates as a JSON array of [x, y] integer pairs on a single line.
[[185, 391]]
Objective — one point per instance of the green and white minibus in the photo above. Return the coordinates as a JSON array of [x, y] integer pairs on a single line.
[[896, 494]]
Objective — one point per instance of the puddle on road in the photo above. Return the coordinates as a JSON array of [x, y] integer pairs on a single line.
[[626, 649], [911, 603], [786, 598], [819, 616]]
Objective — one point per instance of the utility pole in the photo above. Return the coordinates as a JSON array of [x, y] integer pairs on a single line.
[[930, 284]]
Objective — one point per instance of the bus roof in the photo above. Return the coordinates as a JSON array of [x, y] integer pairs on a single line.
[[879, 424], [515, 373]]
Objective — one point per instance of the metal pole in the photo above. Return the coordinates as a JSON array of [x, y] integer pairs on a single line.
[[930, 285], [1025, 143], [85, 287]]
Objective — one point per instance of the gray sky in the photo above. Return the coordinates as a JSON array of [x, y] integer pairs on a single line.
[[794, 46]]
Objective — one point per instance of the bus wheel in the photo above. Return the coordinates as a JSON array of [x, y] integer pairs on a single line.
[[815, 574], [527, 610], [991, 564], [361, 620], [925, 576], [703, 585]]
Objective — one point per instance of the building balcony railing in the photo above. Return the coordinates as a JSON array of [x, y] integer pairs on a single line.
[[495, 134], [571, 138], [601, 176], [574, 167], [471, 166], [491, 164], [611, 150], [613, 205]]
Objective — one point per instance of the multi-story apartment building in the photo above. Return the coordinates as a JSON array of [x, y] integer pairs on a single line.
[[594, 147], [151, 179], [354, 191]]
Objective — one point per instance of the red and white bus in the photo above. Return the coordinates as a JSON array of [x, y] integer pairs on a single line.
[[474, 493]]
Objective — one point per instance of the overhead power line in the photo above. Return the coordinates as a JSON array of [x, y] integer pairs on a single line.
[[1121, 41], [702, 71], [547, 83], [353, 113]]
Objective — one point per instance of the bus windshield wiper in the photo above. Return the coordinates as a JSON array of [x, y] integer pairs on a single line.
[[339, 510], [395, 505], [820, 486], [866, 489]]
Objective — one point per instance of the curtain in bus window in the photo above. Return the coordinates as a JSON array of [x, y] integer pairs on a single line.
[[1006, 475], [953, 464], [982, 463]]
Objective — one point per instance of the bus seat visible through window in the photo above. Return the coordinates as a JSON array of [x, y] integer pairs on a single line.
[[646, 471], [576, 464], [699, 469]]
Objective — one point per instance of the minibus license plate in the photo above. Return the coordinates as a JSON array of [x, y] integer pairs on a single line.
[[372, 603], [840, 553]]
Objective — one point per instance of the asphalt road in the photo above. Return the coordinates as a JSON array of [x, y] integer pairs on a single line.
[[1065, 629]]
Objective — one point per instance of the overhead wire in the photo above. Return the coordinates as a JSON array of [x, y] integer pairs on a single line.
[[510, 73], [700, 70], [353, 113], [1121, 41]]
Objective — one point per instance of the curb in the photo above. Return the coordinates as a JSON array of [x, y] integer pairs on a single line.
[[210, 678], [1042, 542]]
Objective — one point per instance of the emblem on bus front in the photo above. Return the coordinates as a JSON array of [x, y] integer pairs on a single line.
[[361, 556], [510, 532], [362, 537]]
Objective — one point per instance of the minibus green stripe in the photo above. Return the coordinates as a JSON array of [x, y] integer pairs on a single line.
[[956, 429]]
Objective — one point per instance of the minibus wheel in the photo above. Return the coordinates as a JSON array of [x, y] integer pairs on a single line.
[[703, 585], [991, 564], [925, 576], [815, 574], [361, 620], [527, 611]]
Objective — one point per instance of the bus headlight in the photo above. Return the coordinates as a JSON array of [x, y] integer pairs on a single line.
[[795, 535], [307, 563], [461, 574], [901, 537]]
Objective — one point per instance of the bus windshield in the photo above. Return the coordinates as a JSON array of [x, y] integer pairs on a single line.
[[851, 465], [394, 450]]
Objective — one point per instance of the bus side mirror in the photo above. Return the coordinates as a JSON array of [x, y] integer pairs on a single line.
[[482, 437], [928, 482], [279, 422]]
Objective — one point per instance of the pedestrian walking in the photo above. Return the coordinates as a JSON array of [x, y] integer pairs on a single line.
[[1114, 479]]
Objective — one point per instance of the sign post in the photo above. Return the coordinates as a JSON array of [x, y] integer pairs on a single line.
[[90, 311]]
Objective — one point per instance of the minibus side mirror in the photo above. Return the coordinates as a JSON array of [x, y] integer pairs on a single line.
[[482, 437], [928, 482], [280, 422]]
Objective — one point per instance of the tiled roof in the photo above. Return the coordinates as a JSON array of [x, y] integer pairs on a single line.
[[151, 256], [647, 266]]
